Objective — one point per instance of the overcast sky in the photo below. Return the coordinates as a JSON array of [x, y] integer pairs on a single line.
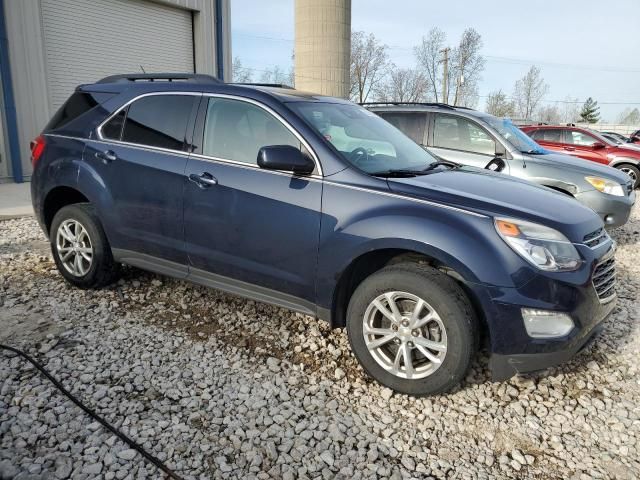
[[584, 47]]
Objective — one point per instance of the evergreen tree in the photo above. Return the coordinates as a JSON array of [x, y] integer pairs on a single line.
[[590, 112]]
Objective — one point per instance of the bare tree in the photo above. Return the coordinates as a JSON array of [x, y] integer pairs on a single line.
[[241, 74], [570, 112], [528, 92], [429, 56], [629, 117], [403, 85], [468, 64], [499, 104], [275, 75], [369, 60], [549, 114]]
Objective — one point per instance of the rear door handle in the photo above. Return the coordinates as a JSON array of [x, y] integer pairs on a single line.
[[204, 180], [570, 149], [107, 156]]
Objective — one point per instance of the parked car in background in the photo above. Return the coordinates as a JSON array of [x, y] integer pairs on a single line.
[[635, 137], [315, 204], [588, 144], [474, 138], [616, 137]]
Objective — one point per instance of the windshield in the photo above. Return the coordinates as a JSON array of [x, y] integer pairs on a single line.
[[515, 136], [364, 139]]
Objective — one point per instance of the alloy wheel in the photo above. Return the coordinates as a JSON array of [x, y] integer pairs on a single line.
[[74, 247], [404, 335], [631, 173]]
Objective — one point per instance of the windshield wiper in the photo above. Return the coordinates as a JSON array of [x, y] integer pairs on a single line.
[[533, 151], [396, 173], [442, 163]]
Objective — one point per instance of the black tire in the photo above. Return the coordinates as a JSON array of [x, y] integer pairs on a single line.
[[632, 171], [102, 270], [446, 297]]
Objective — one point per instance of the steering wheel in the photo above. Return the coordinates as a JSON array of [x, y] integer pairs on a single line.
[[358, 155]]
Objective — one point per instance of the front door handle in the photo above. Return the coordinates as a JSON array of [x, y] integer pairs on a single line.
[[107, 156], [570, 149], [204, 180]]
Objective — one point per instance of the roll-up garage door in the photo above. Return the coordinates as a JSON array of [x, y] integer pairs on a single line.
[[86, 40]]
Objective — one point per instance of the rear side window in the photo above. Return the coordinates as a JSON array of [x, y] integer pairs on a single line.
[[78, 104], [413, 125], [237, 130], [113, 128], [547, 135], [158, 121]]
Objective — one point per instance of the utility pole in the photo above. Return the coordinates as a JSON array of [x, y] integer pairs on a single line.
[[445, 75]]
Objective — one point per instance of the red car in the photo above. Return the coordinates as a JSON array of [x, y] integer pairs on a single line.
[[588, 144]]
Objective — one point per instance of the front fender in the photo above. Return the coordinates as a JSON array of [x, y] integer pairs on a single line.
[[356, 222]]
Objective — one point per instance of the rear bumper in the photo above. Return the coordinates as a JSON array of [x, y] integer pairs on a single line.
[[613, 210]]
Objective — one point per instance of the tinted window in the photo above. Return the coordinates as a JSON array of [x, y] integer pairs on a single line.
[[458, 133], [159, 121], [113, 128], [580, 138], [547, 135], [412, 125], [76, 105], [237, 130]]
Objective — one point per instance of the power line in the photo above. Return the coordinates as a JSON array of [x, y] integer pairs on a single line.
[[492, 58]]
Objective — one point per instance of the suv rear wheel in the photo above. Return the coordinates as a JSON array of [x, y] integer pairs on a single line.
[[80, 247], [412, 329]]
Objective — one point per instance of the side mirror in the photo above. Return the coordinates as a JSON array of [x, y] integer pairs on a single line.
[[598, 146], [496, 165], [286, 158], [500, 150]]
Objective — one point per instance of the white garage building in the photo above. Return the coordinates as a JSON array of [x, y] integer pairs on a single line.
[[48, 47]]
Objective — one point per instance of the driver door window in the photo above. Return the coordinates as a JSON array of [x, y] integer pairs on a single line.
[[458, 133], [237, 130], [581, 139]]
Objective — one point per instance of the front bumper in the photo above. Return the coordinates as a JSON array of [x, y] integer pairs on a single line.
[[512, 350], [613, 210], [504, 367]]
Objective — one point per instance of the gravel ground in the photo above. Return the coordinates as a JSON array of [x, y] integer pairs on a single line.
[[221, 387]]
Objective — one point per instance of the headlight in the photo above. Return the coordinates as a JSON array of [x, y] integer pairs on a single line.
[[541, 246], [606, 186]]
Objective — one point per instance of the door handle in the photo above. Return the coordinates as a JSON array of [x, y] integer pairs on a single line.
[[204, 180], [107, 156], [570, 149]]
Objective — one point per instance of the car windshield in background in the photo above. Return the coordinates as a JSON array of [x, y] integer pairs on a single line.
[[363, 138], [514, 135]]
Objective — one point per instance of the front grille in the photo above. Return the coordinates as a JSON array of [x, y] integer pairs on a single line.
[[604, 279], [593, 239]]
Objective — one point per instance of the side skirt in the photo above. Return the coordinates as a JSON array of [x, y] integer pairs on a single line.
[[208, 279]]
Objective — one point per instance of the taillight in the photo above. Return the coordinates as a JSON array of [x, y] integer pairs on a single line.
[[37, 148]]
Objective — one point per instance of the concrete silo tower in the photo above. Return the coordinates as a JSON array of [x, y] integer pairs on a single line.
[[323, 46]]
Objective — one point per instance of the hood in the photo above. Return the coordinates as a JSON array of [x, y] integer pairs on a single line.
[[579, 165], [634, 147], [495, 194]]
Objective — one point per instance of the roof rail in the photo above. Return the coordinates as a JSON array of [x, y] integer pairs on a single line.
[[275, 85], [422, 104], [159, 77]]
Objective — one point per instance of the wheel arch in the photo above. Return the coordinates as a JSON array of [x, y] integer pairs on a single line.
[[57, 198], [372, 261]]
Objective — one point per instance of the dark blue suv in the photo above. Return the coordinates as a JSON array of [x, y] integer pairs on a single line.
[[318, 205]]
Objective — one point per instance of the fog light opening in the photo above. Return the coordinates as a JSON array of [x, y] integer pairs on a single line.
[[546, 323]]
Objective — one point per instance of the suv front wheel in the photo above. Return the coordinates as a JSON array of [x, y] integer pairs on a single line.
[[80, 247], [412, 329]]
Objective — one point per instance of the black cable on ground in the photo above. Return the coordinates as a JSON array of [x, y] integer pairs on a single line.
[[132, 443]]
